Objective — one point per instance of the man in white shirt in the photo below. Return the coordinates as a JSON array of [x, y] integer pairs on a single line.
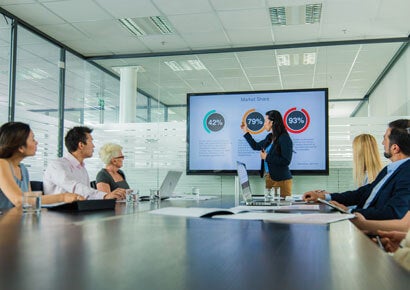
[[68, 173]]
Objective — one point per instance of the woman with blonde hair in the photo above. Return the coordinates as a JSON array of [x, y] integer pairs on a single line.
[[366, 159], [111, 178]]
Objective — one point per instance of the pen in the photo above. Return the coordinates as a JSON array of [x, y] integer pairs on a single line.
[[379, 242]]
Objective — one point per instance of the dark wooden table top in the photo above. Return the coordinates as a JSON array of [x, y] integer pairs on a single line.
[[131, 249]]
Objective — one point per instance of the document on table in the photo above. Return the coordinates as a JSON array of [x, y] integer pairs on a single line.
[[291, 207], [194, 211], [298, 218], [192, 197]]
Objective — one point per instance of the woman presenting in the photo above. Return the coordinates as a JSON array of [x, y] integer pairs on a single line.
[[276, 153]]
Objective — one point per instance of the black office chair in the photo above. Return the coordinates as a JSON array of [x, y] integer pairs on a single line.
[[36, 185], [93, 184]]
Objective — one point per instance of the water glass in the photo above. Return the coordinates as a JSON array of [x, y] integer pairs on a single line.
[[276, 191], [268, 195], [153, 194], [31, 202], [131, 197]]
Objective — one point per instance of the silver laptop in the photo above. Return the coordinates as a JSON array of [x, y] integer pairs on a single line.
[[170, 182], [246, 187], [168, 185]]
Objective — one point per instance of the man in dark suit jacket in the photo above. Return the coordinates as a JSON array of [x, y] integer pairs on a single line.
[[388, 196]]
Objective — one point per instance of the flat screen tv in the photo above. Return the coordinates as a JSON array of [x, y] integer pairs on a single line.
[[216, 142]]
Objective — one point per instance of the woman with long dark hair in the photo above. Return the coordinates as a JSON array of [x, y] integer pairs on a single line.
[[276, 153], [16, 143]]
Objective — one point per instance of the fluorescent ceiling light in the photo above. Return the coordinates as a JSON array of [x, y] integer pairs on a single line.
[[174, 65], [277, 15], [132, 27], [309, 58], [191, 64], [162, 24], [196, 64], [283, 60], [295, 15], [153, 25], [313, 13]]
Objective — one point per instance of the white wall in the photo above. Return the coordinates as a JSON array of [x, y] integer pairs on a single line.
[[392, 96]]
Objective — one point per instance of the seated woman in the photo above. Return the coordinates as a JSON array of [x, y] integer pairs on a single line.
[[16, 143], [111, 178], [366, 159]]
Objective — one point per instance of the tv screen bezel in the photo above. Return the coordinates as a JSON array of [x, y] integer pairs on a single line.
[[256, 172]]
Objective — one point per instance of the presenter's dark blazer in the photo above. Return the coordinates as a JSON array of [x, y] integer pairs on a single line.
[[391, 202], [278, 163]]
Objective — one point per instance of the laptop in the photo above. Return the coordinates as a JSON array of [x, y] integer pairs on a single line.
[[246, 187], [168, 185]]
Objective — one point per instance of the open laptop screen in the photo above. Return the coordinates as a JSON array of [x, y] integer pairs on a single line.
[[169, 183], [244, 181]]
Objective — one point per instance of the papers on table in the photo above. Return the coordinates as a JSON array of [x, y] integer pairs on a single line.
[[246, 213], [191, 197], [298, 218], [193, 211], [295, 207]]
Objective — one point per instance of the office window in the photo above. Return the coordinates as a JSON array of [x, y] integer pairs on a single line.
[[5, 28], [91, 95], [142, 108], [37, 83]]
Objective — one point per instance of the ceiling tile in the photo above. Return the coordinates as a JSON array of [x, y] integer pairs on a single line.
[[182, 6], [62, 32], [35, 14], [237, 4], [129, 9], [245, 19], [204, 22], [255, 37], [78, 10]]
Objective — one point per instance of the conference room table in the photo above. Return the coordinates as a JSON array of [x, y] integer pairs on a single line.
[[129, 248]]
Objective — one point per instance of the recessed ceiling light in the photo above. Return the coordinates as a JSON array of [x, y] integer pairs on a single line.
[[191, 64], [313, 13], [283, 60], [309, 58], [277, 15], [162, 24], [132, 27], [295, 15]]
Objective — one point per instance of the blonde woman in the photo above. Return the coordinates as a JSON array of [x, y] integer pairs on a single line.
[[111, 178], [366, 159]]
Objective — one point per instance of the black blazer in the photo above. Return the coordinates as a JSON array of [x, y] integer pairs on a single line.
[[278, 163]]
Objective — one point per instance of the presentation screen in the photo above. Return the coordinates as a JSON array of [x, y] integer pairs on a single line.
[[216, 142]]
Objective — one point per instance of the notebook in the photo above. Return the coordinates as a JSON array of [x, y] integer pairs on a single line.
[[246, 188], [82, 205], [168, 185]]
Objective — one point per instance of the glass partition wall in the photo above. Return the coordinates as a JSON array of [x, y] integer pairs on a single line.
[[87, 95], [5, 34]]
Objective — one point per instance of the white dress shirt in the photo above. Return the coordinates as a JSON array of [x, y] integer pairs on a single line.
[[67, 174]]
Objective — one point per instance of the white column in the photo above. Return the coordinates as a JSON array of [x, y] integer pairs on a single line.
[[128, 94]]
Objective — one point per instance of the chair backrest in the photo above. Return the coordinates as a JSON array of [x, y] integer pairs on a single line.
[[36, 185], [93, 184]]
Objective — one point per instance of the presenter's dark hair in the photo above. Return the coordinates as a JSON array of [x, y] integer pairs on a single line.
[[75, 136], [400, 135], [13, 135], [278, 128]]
